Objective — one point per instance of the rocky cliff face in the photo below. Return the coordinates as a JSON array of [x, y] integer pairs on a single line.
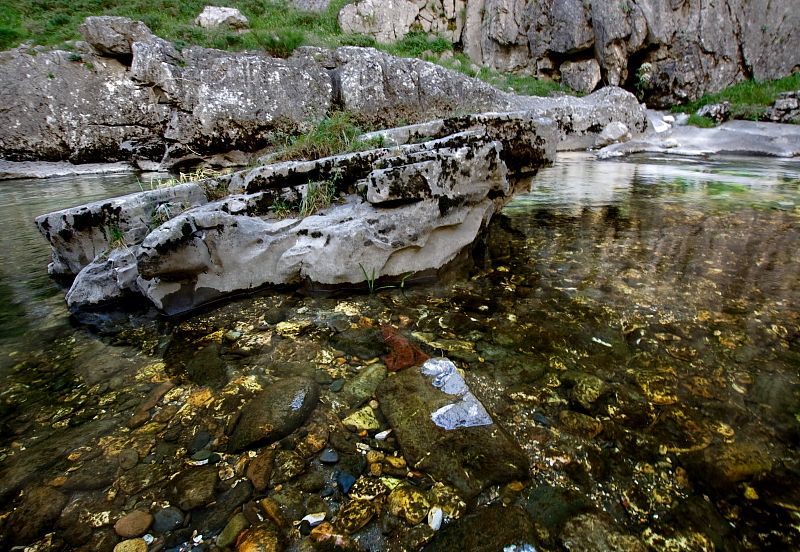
[[668, 50], [129, 95]]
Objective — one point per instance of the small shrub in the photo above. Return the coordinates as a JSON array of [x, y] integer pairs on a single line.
[[414, 44]]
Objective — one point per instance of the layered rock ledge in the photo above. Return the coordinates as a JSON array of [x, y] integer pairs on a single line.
[[395, 211]]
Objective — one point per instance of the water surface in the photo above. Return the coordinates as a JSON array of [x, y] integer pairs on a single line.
[[634, 324]]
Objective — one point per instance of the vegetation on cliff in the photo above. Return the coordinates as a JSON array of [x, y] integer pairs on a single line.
[[749, 99]]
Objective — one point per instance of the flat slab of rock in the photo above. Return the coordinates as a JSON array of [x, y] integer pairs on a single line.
[[731, 138], [473, 454], [274, 413], [45, 169]]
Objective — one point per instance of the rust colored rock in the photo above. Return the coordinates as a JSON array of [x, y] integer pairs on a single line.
[[402, 353]]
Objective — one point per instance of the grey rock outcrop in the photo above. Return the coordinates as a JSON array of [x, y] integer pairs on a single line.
[[670, 51], [77, 107], [730, 138], [786, 109], [580, 121], [114, 36], [405, 209], [132, 96]]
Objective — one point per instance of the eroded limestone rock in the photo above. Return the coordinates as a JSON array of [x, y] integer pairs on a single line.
[[669, 51], [397, 211], [79, 235]]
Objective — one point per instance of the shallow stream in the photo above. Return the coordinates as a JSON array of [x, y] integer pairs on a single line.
[[634, 325]]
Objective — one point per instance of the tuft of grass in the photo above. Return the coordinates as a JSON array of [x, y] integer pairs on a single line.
[[415, 44], [700, 121], [317, 196], [749, 99], [181, 178], [334, 134], [116, 237]]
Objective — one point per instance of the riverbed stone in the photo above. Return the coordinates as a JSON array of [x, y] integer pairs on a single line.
[[194, 487], [274, 413], [167, 519], [39, 509], [593, 532], [470, 458], [133, 524], [131, 545], [490, 528], [259, 470], [409, 503], [264, 537], [232, 530], [354, 515]]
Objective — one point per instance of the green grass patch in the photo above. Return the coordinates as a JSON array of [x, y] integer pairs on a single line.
[[277, 27], [700, 121], [334, 134], [748, 99], [417, 44]]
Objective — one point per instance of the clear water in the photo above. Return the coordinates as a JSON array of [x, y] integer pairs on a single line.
[[634, 324]]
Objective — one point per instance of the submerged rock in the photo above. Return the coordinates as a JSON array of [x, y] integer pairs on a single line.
[[472, 454], [194, 488], [491, 528], [274, 413], [36, 514]]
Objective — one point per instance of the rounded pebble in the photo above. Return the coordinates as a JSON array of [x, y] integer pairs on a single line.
[[201, 455], [134, 524], [167, 519], [336, 385], [131, 545], [345, 482], [329, 456]]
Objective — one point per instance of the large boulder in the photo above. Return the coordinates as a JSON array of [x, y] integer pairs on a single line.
[[444, 430], [72, 106], [114, 36], [420, 211], [403, 209]]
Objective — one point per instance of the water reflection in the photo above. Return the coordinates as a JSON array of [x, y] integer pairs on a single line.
[[635, 325], [24, 284]]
